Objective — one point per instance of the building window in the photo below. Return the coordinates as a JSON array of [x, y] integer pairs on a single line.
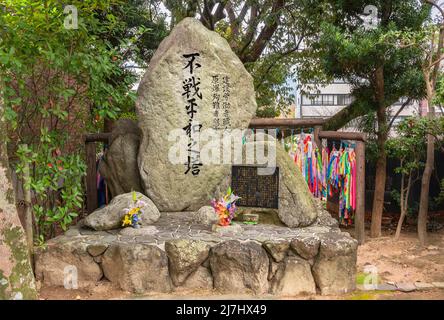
[[326, 99], [344, 99]]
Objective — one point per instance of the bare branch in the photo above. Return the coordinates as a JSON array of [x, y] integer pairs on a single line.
[[405, 104]]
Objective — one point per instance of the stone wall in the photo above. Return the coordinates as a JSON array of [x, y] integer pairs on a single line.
[[177, 254]]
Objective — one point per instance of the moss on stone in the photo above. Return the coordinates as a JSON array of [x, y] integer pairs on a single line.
[[21, 279]]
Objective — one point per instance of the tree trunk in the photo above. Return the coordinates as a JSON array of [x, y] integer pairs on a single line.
[[16, 277], [425, 182], [381, 162], [404, 200], [378, 199]]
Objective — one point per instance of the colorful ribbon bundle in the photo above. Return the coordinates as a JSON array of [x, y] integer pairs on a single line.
[[341, 174], [328, 172], [309, 159]]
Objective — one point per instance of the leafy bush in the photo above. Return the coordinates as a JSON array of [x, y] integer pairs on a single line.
[[56, 182]]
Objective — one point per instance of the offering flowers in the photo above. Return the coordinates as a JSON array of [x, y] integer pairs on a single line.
[[133, 213], [225, 207]]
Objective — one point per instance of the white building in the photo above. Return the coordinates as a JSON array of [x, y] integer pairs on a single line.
[[325, 101]]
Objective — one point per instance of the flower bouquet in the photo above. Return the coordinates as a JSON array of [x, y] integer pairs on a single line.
[[225, 207], [133, 213]]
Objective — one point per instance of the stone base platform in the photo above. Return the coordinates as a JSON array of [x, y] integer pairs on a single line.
[[176, 253]]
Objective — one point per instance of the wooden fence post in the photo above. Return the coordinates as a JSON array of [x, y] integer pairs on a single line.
[[360, 192], [316, 139]]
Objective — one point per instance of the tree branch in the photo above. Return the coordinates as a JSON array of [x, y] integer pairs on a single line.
[[407, 102], [265, 35]]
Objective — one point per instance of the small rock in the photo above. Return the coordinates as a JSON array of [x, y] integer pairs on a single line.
[[386, 287], [110, 216], [432, 248], [406, 287], [438, 285], [423, 285], [206, 215], [96, 249]]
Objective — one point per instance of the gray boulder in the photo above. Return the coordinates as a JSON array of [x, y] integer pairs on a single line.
[[161, 108], [206, 215], [62, 258], [137, 268], [185, 256], [334, 268], [110, 216], [239, 267], [293, 277], [119, 164]]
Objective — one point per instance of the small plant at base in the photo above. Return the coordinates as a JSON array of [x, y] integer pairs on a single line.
[[133, 213]]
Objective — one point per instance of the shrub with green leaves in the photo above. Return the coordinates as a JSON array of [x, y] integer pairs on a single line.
[[55, 84], [55, 180]]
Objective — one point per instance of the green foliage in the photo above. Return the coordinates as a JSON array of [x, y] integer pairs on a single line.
[[347, 50], [45, 68], [55, 84], [409, 147], [56, 182]]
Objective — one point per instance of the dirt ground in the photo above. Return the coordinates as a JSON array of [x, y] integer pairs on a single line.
[[396, 261]]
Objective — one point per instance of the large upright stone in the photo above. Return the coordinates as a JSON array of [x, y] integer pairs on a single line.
[[119, 165], [161, 108]]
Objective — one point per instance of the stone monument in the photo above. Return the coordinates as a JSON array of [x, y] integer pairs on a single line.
[[195, 82]]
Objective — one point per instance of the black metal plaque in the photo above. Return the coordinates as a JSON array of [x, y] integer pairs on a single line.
[[261, 191]]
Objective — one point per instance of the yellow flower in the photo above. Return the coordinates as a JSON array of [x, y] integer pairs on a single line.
[[133, 211], [126, 221]]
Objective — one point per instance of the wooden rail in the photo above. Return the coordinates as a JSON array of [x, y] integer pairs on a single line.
[[258, 123]]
